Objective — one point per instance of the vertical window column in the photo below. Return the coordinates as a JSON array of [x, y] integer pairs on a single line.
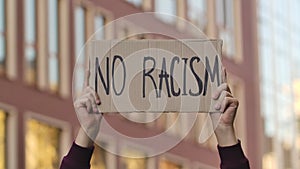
[[3, 145], [42, 46], [65, 75]]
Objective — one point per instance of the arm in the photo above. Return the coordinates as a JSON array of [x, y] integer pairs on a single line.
[[81, 151], [230, 151]]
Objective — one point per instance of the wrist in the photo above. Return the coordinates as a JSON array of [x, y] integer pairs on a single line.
[[83, 139], [226, 136]]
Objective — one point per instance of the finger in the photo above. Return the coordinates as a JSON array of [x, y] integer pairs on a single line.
[[95, 95], [87, 75], [224, 75], [88, 105], [222, 97], [229, 102], [219, 90], [83, 102], [80, 102], [93, 102]]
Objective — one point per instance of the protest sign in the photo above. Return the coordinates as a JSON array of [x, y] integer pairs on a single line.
[[155, 75]]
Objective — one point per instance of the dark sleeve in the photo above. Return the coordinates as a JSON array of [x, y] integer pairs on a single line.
[[77, 158], [233, 157]]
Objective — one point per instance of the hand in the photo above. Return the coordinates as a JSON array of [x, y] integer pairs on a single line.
[[88, 114], [227, 104]]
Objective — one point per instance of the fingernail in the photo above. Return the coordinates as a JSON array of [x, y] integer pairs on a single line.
[[217, 106], [214, 96]]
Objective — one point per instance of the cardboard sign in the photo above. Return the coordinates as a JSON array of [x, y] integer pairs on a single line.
[[155, 75]]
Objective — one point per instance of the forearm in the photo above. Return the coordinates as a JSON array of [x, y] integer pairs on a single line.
[[230, 150], [83, 139]]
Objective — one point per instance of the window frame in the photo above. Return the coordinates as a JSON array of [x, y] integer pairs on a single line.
[[12, 137], [65, 127]]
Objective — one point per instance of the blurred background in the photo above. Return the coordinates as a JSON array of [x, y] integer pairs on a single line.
[[39, 42]]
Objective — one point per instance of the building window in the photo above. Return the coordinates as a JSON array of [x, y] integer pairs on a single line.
[[133, 163], [30, 41], [80, 20], [99, 22], [99, 158], [226, 24], [53, 45], [167, 164], [3, 146], [2, 37], [137, 3], [197, 12], [296, 91], [42, 145], [168, 7]]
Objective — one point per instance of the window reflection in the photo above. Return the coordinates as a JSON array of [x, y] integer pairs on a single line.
[[42, 145], [53, 61], [79, 19], [30, 41], [2, 37], [2, 139], [99, 22], [168, 7], [136, 3], [197, 12]]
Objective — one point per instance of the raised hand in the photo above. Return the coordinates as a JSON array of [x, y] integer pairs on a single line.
[[227, 104], [88, 114]]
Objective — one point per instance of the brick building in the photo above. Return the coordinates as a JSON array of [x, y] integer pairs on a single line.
[[39, 42]]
